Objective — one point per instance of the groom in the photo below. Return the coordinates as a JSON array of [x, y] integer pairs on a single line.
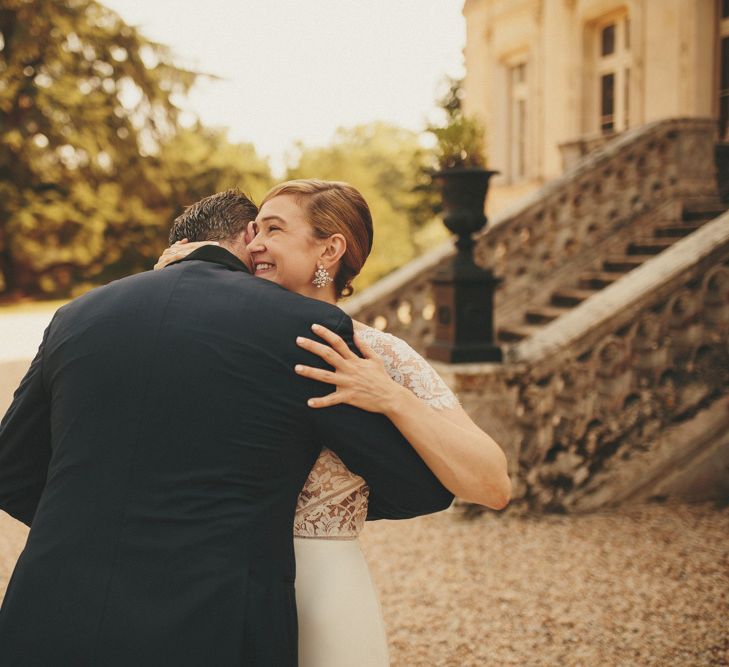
[[157, 447]]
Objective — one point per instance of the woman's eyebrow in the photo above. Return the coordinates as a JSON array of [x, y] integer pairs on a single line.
[[268, 218]]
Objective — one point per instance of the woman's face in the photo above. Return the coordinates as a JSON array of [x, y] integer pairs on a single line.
[[284, 249]]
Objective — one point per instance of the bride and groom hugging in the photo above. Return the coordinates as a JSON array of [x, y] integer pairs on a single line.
[[176, 424]]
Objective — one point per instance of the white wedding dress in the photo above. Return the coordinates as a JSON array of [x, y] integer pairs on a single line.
[[340, 620]]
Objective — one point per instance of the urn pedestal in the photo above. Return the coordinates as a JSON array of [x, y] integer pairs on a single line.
[[464, 292]]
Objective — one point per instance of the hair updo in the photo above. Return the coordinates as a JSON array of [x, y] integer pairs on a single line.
[[334, 207]]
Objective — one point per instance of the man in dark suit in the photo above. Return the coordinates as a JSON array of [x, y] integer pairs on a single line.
[[157, 447]]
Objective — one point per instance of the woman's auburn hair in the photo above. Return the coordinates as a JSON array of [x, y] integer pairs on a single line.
[[334, 207]]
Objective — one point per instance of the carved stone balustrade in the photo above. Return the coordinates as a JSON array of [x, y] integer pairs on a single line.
[[624, 394], [572, 151]]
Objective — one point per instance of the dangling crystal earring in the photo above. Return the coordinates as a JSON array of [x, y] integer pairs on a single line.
[[321, 277]]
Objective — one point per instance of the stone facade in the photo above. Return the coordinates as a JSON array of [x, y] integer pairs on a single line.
[[550, 78]]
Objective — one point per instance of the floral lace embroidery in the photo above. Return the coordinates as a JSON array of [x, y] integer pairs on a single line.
[[333, 502], [408, 368]]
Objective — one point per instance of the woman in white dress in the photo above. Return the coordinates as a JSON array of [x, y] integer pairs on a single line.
[[313, 237]]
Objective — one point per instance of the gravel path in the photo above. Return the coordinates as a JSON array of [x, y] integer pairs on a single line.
[[647, 585]]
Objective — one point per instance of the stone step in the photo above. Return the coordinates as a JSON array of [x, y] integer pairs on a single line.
[[650, 246], [625, 263], [675, 231], [570, 296], [599, 279], [544, 314], [697, 213]]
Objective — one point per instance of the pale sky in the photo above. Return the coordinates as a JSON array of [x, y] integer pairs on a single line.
[[298, 69]]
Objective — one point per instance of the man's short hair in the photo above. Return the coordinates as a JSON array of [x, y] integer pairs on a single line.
[[219, 217]]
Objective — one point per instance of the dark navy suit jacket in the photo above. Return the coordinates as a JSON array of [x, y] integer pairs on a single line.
[[157, 447]]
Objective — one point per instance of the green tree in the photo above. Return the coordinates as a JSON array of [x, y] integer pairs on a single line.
[[388, 166], [198, 161], [85, 101]]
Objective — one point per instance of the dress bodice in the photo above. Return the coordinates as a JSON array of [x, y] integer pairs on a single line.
[[333, 502]]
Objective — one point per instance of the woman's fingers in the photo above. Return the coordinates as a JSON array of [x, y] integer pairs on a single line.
[[362, 383], [329, 355], [316, 374], [177, 245], [336, 341], [179, 250], [187, 247], [327, 401], [194, 245], [166, 258]]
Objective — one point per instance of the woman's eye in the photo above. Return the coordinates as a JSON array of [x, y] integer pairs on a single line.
[[274, 228]]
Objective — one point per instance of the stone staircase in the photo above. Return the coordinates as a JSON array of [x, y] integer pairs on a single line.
[[612, 268], [640, 181], [613, 315]]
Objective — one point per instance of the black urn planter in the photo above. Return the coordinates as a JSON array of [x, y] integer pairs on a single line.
[[463, 191], [464, 292]]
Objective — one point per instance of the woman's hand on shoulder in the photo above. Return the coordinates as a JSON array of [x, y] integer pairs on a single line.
[[178, 251], [363, 383]]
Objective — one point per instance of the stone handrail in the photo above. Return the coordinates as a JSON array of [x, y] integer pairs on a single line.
[[531, 245], [573, 151], [598, 386]]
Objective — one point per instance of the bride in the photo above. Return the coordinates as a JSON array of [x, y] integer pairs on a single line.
[[313, 237]]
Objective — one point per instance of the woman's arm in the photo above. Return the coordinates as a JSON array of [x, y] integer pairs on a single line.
[[467, 461]]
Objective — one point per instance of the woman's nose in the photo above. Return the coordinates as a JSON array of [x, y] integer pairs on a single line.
[[256, 244]]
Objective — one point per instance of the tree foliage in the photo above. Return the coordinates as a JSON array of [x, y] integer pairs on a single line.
[[93, 163], [199, 161], [388, 166]]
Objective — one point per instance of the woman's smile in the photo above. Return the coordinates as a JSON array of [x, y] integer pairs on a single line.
[[264, 267]]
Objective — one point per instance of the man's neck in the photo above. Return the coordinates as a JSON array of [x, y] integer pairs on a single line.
[[217, 254], [237, 247]]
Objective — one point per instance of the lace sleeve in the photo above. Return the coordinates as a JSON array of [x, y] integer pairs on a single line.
[[409, 369]]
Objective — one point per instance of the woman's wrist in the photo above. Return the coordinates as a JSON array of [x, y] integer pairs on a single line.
[[397, 401]]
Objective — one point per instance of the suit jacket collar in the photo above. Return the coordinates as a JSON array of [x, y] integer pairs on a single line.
[[218, 255]]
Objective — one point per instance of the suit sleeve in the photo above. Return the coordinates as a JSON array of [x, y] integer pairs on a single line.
[[25, 444], [401, 485]]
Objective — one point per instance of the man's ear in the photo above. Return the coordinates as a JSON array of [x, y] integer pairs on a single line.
[[333, 250]]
